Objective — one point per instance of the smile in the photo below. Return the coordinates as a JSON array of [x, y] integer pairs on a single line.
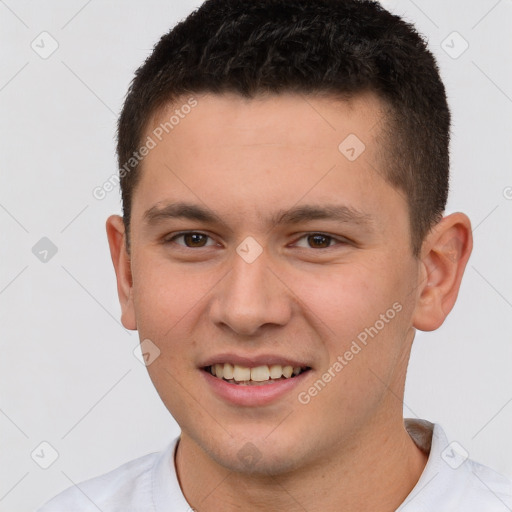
[[258, 375]]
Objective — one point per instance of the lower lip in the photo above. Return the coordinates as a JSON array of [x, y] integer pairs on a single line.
[[253, 395]]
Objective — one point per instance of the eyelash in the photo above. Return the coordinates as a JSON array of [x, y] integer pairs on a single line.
[[341, 241]]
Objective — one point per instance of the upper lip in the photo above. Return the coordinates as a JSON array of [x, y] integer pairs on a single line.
[[252, 361]]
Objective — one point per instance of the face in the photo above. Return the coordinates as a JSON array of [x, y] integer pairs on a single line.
[[265, 242]]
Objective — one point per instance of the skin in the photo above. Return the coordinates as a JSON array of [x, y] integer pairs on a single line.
[[245, 160]]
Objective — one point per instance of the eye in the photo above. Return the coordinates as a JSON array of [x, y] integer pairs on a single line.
[[317, 241], [191, 239]]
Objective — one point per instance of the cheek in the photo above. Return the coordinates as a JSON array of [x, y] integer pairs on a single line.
[[360, 312], [345, 297], [166, 294], [362, 319]]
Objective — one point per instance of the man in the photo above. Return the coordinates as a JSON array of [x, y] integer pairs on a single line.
[[284, 172]]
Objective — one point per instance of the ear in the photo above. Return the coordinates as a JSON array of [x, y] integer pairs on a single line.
[[122, 265], [444, 255]]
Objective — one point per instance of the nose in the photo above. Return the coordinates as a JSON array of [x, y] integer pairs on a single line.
[[251, 298]]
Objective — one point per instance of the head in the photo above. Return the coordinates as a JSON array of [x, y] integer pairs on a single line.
[[302, 146], [330, 47]]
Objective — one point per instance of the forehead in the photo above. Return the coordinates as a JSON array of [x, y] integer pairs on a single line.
[[308, 120], [266, 153]]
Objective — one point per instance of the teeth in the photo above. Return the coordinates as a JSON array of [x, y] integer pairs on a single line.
[[257, 374], [219, 370], [287, 371], [241, 373], [276, 370], [260, 373], [228, 371]]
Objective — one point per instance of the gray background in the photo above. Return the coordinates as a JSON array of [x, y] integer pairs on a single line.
[[68, 372]]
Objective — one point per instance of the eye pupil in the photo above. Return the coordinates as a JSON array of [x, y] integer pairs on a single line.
[[319, 240], [194, 239]]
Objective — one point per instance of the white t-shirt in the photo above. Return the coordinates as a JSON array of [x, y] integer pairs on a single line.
[[450, 482]]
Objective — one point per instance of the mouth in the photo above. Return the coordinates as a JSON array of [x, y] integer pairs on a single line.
[[261, 375]]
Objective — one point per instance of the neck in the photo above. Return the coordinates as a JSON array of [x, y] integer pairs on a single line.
[[377, 477]]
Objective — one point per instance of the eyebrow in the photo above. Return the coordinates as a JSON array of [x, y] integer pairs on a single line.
[[189, 211], [339, 213], [295, 215]]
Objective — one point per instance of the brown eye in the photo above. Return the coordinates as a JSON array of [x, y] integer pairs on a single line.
[[191, 240], [319, 241], [195, 239]]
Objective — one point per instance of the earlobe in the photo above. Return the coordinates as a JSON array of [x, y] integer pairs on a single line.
[[122, 266], [445, 253]]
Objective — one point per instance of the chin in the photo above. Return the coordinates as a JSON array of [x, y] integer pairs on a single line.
[[258, 456], [252, 461]]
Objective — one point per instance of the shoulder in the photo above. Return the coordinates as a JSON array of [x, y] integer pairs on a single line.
[[484, 486], [451, 481], [472, 484], [126, 488]]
